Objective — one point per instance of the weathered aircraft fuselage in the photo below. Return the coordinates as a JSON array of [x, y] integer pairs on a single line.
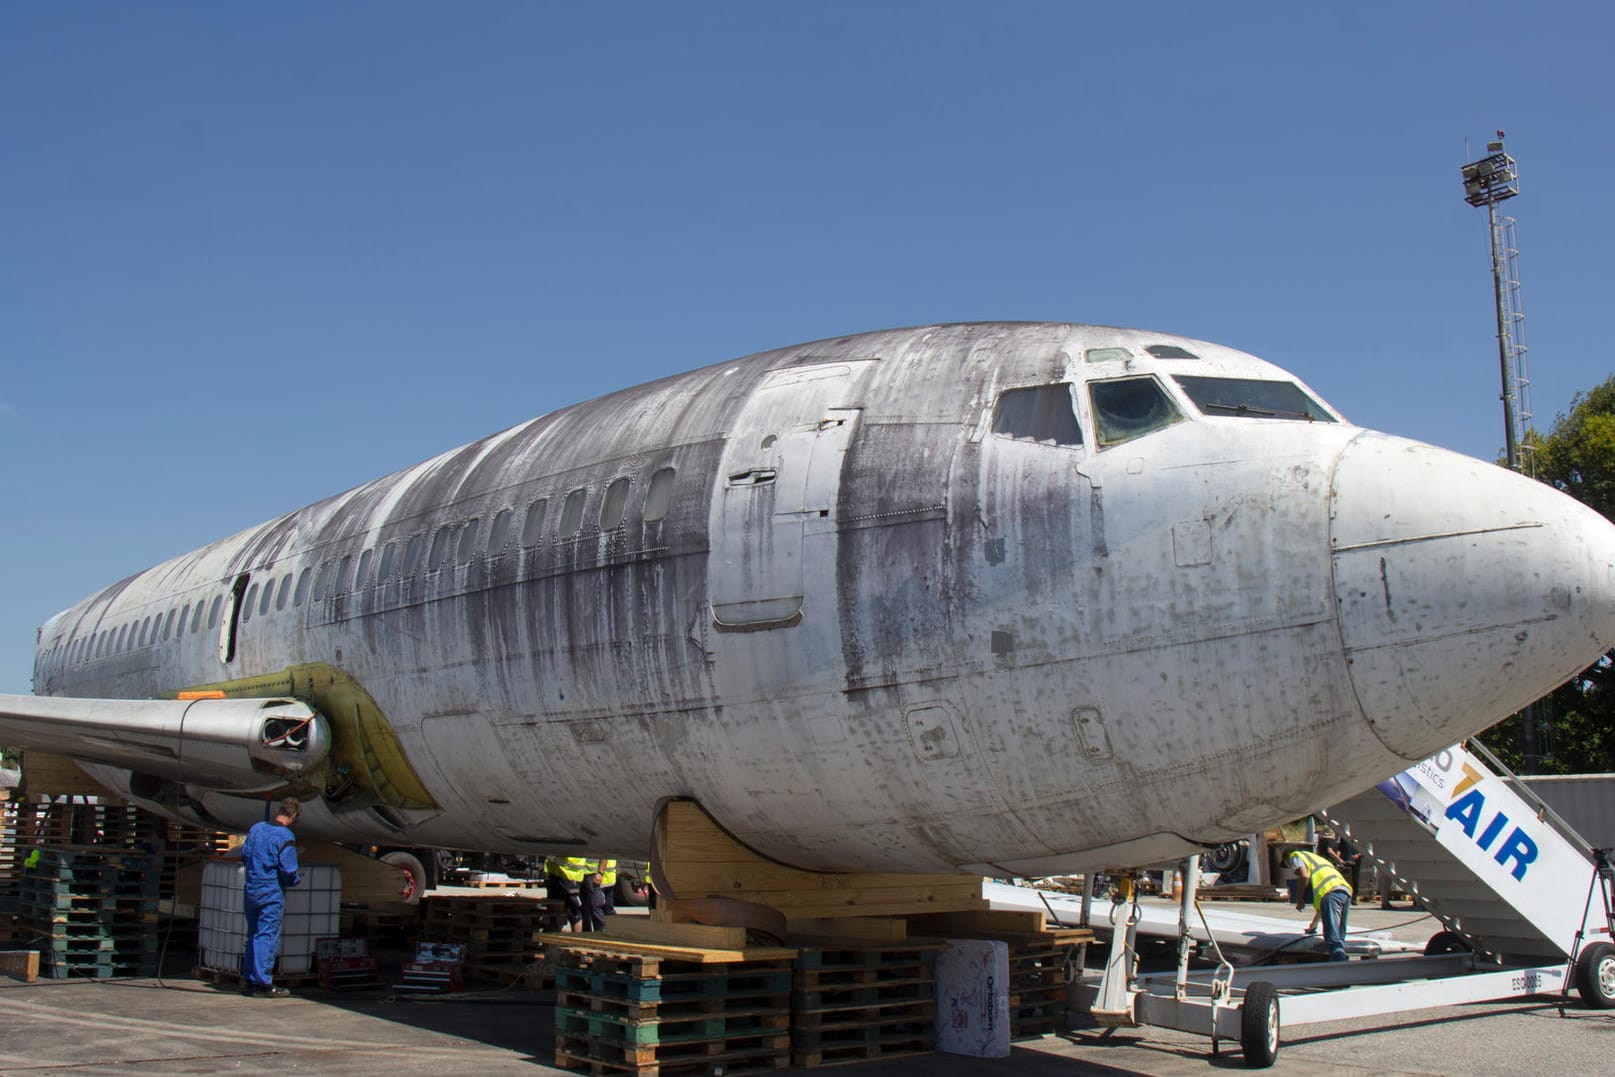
[[1001, 598]]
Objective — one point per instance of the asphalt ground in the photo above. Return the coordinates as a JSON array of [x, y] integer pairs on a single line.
[[179, 1025]]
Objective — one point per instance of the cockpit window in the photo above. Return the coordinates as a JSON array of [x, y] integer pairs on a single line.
[[1247, 398], [1129, 408], [1170, 351], [1041, 413]]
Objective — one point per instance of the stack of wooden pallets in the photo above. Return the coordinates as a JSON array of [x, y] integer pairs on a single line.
[[646, 1013], [1039, 971], [91, 911], [853, 1003], [501, 934]]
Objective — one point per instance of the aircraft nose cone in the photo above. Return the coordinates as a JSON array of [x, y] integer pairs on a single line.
[[1464, 591]]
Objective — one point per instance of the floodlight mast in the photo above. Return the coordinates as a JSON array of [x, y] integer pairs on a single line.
[[1492, 179]]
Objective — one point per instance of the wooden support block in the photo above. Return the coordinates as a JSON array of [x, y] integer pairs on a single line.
[[698, 859], [23, 964], [705, 956], [636, 929], [867, 928], [993, 922]]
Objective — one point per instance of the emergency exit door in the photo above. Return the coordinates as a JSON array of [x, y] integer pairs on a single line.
[[780, 479]]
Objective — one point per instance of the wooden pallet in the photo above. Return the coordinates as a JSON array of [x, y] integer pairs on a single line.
[[853, 1003], [500, 884], [651, 1012]]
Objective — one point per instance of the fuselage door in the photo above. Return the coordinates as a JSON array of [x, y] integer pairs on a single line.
[[780, 478]]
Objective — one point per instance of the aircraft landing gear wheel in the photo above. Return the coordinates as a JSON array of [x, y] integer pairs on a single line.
[[1595, 976], [414, 874], [1259, 1025], [1230, 856]]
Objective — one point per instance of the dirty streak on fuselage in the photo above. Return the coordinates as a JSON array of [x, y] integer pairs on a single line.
[[988, 632]]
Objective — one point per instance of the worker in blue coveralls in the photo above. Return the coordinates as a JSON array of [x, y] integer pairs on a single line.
[[269, 866]]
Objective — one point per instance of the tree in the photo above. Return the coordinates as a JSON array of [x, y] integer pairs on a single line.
[[1578, 457]]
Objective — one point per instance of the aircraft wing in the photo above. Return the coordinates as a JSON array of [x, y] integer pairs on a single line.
[[235, 745]]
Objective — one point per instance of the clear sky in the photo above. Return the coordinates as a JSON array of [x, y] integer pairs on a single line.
[[252, 255]]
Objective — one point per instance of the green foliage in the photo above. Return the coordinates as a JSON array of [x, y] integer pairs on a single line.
[[1576, 723]]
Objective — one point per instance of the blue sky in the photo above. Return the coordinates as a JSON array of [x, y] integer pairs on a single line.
[[251, 255]]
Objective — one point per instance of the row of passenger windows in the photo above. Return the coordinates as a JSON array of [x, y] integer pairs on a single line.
[[456, 543], [140, 633]]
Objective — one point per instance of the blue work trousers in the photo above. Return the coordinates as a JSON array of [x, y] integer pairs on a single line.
[[263, 939], [1332, 911]]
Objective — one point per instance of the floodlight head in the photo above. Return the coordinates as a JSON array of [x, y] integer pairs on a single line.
[[1491, 179]]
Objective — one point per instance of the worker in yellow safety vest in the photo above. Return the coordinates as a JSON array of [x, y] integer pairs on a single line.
[[1323, 885], [563, 880]]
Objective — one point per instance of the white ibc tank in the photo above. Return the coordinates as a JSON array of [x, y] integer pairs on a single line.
[[313, 912]]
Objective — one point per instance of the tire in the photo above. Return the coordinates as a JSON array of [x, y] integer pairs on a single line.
[[1224, 858], [632, 892], [1447, 942], [1595, 976], [1259, 1025], [414, 874]]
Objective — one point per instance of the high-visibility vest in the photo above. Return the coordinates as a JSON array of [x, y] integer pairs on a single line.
[[571, 868], [608, 872], [1325, 878]]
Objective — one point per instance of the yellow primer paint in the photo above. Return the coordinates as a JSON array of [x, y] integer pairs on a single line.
[[363, 741]]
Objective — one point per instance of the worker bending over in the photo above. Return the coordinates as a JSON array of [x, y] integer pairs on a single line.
[[1330, 894]]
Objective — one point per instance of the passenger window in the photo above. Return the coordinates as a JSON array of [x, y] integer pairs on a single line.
[[615, 505], [213, 612], [269, 594], [389, 556], [572, 512], [282, 595], [1042, 413], [533, 527], [499, 532], [184, 615], [304, 578], [412, 554], [168, 625], [440, 546], [468, 541], [1130, 408], [344, 575], [361, 579], [322, 582], [659, 496], [144, 628], [246, 607]]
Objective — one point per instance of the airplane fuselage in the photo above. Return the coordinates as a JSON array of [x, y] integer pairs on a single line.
[[879, 603]]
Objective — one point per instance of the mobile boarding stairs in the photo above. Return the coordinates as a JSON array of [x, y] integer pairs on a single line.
[[1524, 901]]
